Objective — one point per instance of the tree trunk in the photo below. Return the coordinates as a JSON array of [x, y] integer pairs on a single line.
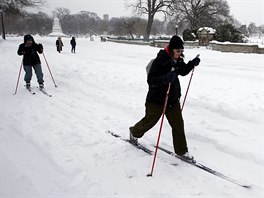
[[149, 25], [131, 34]]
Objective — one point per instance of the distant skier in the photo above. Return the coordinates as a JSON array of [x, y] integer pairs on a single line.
[[59, 44], [165, 69], [31, 59], [73, 44]]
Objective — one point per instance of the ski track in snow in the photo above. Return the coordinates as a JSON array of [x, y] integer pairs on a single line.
[[53, 147]]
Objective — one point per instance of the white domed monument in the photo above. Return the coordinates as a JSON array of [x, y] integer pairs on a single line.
[[56, 29]]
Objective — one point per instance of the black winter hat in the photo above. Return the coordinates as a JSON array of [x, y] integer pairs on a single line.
[[28, 37], [176, 43]]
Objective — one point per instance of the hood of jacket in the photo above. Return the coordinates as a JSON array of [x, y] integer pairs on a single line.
[[28, 37]]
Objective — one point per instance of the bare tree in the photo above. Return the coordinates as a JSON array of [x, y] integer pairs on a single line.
[[87, 22], [28, 23], [82, 23], [158, 27], [39, 23], [14, 12], [60, 12], [151, 8], [252, 28], [199, 13], [127, 26], [16, 6]]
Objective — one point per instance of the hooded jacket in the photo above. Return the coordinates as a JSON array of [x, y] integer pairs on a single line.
[[161, 66], [31, 56], [73, 42]]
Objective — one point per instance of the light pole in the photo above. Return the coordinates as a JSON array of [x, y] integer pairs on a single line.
[[3, 27], [176, 28]]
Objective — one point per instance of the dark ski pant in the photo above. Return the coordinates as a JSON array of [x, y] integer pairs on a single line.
[[38, 71], [73, 49], [174, 117]]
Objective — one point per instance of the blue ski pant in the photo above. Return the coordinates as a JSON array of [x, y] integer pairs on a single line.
[[38, 72]]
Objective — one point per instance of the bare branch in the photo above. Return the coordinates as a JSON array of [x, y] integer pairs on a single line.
[[151, 7]]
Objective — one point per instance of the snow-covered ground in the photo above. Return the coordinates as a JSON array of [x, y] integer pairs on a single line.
[[58, 146]]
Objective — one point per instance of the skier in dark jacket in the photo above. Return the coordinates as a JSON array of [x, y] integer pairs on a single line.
[[165, 69], [73, 44], [29, 49]]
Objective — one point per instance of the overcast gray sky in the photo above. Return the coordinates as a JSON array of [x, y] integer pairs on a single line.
[[245, 11]]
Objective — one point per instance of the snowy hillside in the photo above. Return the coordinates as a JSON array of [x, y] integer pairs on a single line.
[[58, 146]]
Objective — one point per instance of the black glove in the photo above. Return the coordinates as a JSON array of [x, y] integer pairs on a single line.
[[169, 78], [196, 61], [40, 46]]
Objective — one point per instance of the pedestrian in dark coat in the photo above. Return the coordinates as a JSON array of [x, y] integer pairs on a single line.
[[165, 69], [29, 49], [73, 44], [59, 44]]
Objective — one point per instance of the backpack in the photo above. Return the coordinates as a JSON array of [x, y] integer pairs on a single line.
[[149, 66]]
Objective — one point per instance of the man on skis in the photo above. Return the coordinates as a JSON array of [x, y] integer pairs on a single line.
[[29, 49], [165, 69]]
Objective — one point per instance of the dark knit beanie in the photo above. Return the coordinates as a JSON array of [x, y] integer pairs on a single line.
[[28, 37], [176, 43]]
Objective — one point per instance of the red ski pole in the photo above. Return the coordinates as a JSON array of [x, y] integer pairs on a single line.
[[187, 90], [18, 77], [188, 86], [161, 124], [49, 70]]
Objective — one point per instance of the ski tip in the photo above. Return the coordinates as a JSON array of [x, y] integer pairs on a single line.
[[113, 134], [247, 186]]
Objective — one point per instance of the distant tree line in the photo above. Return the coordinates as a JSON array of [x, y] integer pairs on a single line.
[[18, 6], [185, 15]]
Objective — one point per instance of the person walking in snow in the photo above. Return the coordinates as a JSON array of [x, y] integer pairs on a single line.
[[73, 44], [59, 44], [165, 69], [29, 50]]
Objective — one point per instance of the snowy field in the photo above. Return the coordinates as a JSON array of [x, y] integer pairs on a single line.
[[54, 147]]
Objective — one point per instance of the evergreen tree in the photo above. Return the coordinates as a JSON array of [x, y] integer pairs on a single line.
[[227, 32], [189, 35]]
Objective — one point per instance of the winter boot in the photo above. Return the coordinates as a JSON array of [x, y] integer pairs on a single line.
[[41, 86], [133, 139], [28, 85], [187, 157]]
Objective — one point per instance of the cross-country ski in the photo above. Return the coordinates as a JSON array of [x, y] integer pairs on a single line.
[[196, 164], [43, 90], [30, 90]]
